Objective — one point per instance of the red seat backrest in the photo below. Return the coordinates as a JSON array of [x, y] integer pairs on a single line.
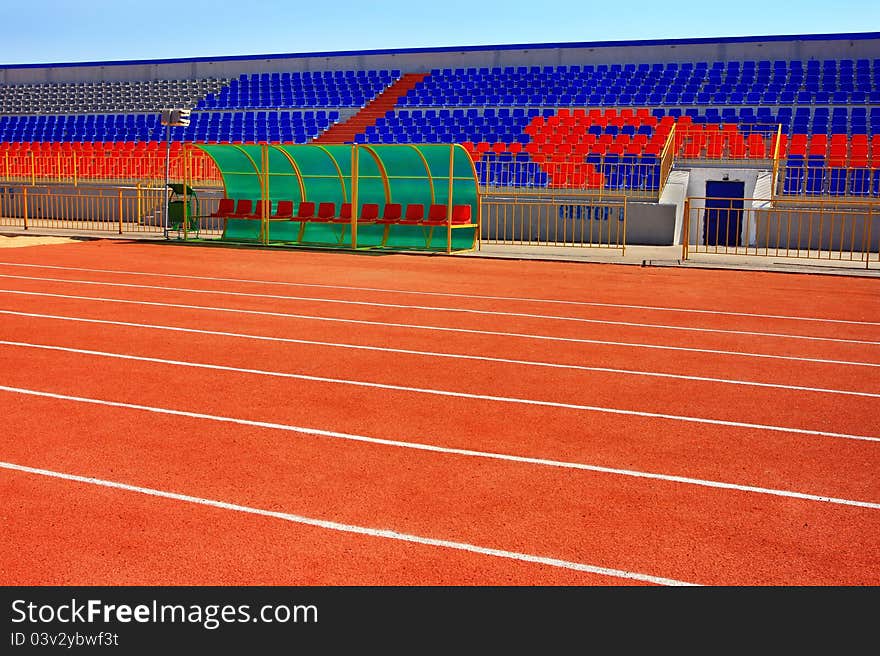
[[244, 206], [326, 210], [369, 212], [306, 210], [258, 209], [392, 211], [461, 213], [415, 212], [284, 209], [437, 212], [345, 211], [226, 206]]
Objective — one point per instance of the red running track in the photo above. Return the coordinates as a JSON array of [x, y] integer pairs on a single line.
[[179, 415]]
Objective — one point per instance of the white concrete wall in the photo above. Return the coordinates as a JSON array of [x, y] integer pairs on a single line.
[[696, 191], [762, 198], [675, 192]]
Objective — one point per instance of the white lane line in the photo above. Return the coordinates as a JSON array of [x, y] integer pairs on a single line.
[[436, 354], [418, 446], [475, 397], [383, 534], [429, 308], [526, 299], [409, 326]]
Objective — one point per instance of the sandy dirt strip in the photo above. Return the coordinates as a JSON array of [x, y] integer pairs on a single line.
[[27, 240]]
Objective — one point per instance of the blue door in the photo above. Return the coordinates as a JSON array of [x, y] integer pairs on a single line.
[[722, 222]]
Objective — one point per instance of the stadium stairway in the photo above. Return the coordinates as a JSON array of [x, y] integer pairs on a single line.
[[346, 131]]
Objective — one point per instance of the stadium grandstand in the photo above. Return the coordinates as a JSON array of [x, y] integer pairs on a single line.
[[743, 144]]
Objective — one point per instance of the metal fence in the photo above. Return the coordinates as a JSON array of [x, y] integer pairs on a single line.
[[819, 229], [107, 166], [117, 209], [575, 221]]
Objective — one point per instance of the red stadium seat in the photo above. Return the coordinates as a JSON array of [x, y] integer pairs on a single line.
[[305, 211], [414, 214], [461, 214], [757, 148], [257, 212], [344, 215], [369, 213], [436, 214], [392, 213], [326, 212], [224, 209], [284, 210], [243, 209]]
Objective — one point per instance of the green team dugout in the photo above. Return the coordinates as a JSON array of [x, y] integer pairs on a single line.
[[280, 177]]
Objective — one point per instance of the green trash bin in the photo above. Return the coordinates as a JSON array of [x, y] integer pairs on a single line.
[[180, 211]]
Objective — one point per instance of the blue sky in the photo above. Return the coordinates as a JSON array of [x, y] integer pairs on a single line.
[[55, 31]]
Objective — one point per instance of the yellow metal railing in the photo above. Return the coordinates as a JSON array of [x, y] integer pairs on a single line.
[[816, 179], [602, 175], [816, 229], [119, 209], [115, 166], [667, 160], [570, 221], [712, 142]]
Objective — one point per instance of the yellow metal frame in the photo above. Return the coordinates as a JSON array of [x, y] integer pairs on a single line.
[[807, 222]]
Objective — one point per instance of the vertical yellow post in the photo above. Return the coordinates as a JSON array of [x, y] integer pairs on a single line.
[[686, 229], [355, 173], [267, 206], [449, 199], [185, 199], [119, 209], [264, 193], [625, 212], [774, 178], [868, 239], [24, 201], [479, 220], [667, 156]]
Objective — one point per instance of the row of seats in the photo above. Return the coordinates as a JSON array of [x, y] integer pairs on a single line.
[[779, 66], [326, 212], [631, 168], [282, 90], [700, 83], [445, 126], [105, 96], [292, 126], [813, 178]]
